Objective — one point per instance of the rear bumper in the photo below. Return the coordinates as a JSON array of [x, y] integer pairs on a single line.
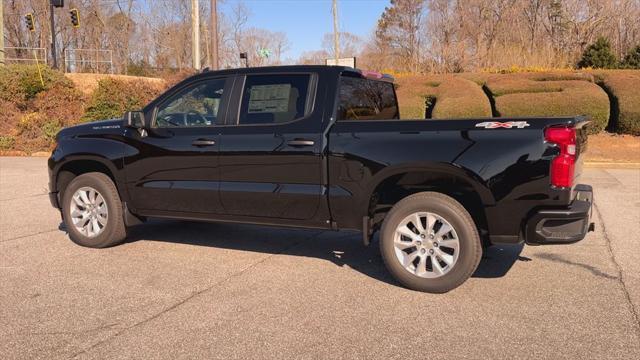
[[562, 226]]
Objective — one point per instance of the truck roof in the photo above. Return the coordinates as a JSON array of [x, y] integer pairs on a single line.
[[283, 68], [302, 68]]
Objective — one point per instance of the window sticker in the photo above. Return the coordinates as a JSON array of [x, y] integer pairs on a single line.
[[269, 98]]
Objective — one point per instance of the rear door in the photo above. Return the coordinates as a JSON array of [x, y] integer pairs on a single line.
[[271, 153], [173, 167]]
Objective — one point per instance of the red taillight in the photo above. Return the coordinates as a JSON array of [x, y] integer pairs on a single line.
[[563, 165]]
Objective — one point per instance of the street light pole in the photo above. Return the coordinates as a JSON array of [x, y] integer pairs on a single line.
[[336, 32], [214, 35], [195, 33]]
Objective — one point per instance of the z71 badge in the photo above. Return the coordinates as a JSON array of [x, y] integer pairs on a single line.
[[506, 125]]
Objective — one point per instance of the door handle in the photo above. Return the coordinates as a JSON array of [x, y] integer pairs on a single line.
[[203, 142], [300, 142]]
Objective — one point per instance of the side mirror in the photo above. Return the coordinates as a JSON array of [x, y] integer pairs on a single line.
[[134, 119]]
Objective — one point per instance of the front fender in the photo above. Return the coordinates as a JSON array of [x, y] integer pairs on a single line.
[[106, 152]]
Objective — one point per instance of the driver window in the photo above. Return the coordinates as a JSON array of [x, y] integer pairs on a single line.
[[195, 105]]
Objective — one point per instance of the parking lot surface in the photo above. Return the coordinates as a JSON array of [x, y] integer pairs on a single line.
[[186, 290]]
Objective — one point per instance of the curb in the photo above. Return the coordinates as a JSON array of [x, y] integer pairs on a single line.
[[612, 164]]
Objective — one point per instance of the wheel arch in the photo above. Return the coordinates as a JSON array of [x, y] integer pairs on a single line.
[[74, 166], [393, 184]]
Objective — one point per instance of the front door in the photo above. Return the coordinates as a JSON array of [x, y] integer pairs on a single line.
[[173, 167], [271, 153]]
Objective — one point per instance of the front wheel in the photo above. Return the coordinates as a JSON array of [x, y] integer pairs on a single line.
[[430, 243], [92, 211]]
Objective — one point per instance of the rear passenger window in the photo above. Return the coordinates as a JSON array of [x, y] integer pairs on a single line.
[[274, 99], [365, 99]]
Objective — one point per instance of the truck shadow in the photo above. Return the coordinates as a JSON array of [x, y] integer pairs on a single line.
[[344, 249]]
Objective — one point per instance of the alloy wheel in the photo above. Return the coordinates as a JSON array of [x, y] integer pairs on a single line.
[[89, 212], [426, 245]]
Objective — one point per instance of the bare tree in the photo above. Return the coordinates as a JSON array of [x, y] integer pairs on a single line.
[[399, 31]]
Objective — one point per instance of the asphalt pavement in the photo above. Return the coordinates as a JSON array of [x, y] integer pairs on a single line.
[[226, 291]]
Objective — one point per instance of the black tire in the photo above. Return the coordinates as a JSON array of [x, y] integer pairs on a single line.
[[115, 231], [470, 248]]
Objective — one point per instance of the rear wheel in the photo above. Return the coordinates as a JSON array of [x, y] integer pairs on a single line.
[[430, 243], [92, 211]]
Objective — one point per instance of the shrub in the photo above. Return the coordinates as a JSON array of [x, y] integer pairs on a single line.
[[9, 117], [21, 83], [50, 129], [518, 95], [412, 92], [31, 133], [623, 89], [60, 104], [632, 59], [458, 98], [113, 97], [598, 55], [140, 68], [442, 96], [7, 142], [478, 78]]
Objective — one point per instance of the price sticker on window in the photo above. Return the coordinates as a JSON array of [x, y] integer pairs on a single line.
[[272, 98]]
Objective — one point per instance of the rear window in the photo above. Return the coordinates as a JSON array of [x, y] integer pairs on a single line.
[[365, 99], [274, 99]]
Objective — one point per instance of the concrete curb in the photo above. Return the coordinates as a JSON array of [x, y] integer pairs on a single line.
[[612, 165]]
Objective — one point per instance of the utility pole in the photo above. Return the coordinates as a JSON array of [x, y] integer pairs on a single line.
[[195, 33], [2, 33], [214, 35], [53, 36], [336, 33]]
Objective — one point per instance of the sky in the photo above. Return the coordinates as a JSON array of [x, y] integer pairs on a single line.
[[306, 21]]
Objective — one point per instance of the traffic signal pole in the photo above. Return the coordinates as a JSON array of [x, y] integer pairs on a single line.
[[53, 36]]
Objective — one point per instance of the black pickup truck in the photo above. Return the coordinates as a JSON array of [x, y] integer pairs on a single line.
[[323, 147]]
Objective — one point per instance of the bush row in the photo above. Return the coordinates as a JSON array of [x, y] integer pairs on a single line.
[[441, 97], [548, 94], [608, 97], [33, 113], [34, 110], [623, 89]]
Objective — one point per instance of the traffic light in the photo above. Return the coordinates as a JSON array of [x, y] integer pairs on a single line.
[[57, 3], [30, 23], [75, 18]]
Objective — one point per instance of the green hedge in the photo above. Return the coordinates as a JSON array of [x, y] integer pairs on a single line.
[[624, 89], [539, 95], [448, 96], [458, 98]]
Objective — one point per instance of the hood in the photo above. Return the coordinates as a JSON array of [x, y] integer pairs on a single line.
[[101, 127]]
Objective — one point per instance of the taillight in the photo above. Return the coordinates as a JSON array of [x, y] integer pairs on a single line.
[[563, 165]]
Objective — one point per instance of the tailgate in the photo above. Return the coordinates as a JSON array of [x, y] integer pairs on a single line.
[[581, 148]]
